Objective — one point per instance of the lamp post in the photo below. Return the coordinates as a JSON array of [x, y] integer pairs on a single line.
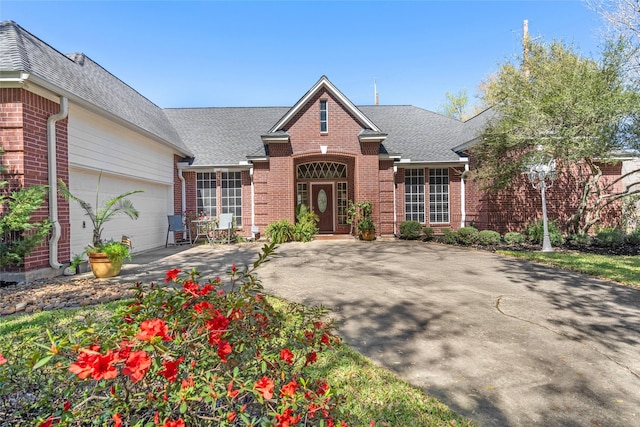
[[541, 175]]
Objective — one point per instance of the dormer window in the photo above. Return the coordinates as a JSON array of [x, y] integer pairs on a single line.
[[323, 116]]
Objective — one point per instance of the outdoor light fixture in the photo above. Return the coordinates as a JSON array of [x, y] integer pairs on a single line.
[[542, 173]]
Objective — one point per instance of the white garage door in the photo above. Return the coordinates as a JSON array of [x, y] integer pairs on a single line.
[[147, 232]]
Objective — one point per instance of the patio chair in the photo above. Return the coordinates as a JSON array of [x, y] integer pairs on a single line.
[[176, 225], [223, 230]]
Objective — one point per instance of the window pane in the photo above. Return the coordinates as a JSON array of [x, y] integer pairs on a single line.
[[414, 195], [439, 195], [206, 193], [231, 199]]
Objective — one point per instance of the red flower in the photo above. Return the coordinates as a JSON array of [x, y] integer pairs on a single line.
[[311, 359], [203, 306], [265, 386], [233, 268], [170, 371], [117, 419], [325, 340], [289, 389], [125, 349], [287, 419], [171, 275], [177, 423], [137, 366], [207, 289], [47, 423], [103, 366], [232, 393], [66, 406], [191, 288], [2, 359], [231, 416], [286, 355], [153, 328], [95, 364], [224, 349]]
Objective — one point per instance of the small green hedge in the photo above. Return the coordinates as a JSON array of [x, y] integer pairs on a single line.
[[410, 230]]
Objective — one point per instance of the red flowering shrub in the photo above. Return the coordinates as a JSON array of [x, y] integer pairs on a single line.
[[192, 355]]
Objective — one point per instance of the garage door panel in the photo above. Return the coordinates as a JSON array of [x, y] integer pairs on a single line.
[[148, 231]]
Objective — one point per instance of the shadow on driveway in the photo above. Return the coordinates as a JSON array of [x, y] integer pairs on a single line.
[[501, 341]]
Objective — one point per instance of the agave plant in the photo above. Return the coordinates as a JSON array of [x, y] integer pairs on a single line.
[[118, 205]]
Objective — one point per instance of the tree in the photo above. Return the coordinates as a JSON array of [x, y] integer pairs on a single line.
[[19, 234], [623, 20], [580, 111], [456, 105]]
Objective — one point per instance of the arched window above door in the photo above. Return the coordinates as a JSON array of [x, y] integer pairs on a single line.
[[322, 170]]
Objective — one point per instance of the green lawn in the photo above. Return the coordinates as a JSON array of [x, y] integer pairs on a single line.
[[621, 269], [372, 393]]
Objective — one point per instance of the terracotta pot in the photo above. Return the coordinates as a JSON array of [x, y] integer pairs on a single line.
[[368, 235], [101, 266]]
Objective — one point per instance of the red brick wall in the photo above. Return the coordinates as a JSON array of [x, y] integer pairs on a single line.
[[275, 181], [23, 135], [514, 208]]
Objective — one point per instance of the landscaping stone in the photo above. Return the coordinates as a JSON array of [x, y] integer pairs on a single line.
[[61, 292]]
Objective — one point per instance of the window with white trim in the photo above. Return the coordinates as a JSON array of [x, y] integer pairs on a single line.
[[303, 194], [438, 196], [206, 193], [232, 195], [414, 209], [343, 203], [324, 126]]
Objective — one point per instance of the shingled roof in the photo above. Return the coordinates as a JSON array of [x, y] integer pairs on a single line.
[[82, 80], [227, 136], [220, 136]]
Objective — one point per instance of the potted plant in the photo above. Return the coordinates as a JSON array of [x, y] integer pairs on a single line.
[[361, 214], [105, 258], [367, 228]]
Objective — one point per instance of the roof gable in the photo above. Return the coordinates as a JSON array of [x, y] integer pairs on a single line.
[[23, 56], [326, 85]]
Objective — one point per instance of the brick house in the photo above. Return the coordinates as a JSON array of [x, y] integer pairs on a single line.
[[64, 116]]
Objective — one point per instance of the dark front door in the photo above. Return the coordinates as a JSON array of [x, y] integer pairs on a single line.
[[322, 205]]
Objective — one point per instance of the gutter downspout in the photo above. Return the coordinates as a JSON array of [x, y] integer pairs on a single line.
[[183, 188], [463, 200], [395, 213], [253, 206], [53, 185]]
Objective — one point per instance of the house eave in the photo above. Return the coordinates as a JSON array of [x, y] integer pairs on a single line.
[[37, 81]]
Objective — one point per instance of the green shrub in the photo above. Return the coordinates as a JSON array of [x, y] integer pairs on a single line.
[[306, 226], [410, 230], [304, 231], [176, 353], [535, 233], [450, 237], [19, 234], [633, 238], [488, 238], [513, 238], [609, 238], [579, 240], [427, 233], [280, 231], [467, 235]]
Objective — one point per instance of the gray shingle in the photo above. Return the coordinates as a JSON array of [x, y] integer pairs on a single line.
[[21, 51], [224, 136]]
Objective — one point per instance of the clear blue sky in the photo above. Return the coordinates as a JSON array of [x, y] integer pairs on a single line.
[[225, 54]]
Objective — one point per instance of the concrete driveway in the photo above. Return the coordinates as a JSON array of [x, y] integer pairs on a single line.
[[501, 341]]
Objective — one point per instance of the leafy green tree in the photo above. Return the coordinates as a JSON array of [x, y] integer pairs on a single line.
[[18, 233], [581, 111], [457, 106]]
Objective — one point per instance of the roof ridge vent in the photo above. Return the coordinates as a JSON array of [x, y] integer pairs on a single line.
[[77, 57]]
